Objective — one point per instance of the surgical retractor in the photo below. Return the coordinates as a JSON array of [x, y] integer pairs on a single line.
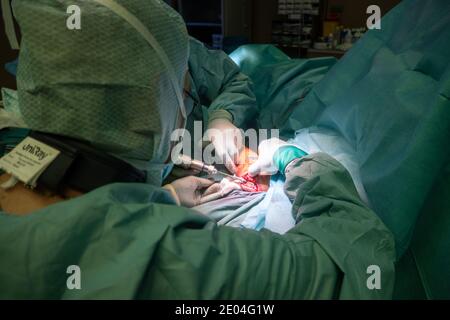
[[189, 163]]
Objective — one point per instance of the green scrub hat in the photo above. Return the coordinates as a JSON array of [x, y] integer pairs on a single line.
[[116, 82]]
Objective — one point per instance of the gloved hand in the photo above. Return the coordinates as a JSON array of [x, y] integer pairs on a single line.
[[219, 190], [191, 191], [274, 156], [227, 140]]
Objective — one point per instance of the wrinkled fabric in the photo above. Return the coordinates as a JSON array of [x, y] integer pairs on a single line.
[[280, 83], [387, 98], [10, 101], [317, 176], [430, 245], [385, 106], [131, 241], [274, 211], [215, 85], [231, 210], [218, 85], [269, 210], [9, 120], [319, 139], [9, 110]]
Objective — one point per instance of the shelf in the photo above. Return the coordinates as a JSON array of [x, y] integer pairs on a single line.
[[296, 25], [207, 19]]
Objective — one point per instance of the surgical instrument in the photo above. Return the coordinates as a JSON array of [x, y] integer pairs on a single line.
[[189, 163]]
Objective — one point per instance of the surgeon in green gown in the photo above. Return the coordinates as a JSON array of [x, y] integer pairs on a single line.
[[132, 241], [220, 94]]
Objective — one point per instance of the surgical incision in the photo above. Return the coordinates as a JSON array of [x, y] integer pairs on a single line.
[[253, 184]]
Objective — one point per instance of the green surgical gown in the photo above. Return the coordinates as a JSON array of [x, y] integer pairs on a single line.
[[218, 87], [131, 241]]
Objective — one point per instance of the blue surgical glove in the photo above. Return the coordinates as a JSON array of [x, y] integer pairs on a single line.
[[274, 156]]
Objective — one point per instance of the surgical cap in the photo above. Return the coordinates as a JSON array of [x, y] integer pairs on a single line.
[[115, 82]]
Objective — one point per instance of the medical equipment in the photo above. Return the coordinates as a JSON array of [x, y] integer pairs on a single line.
[[189, 163]]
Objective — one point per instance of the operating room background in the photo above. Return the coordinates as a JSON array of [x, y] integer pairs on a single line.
[[6, 55], [259, 17]]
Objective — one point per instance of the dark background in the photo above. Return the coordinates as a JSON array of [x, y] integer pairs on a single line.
[[250, 19], [6, 55]]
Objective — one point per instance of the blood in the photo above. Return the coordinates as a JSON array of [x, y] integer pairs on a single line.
[[252, 184]]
